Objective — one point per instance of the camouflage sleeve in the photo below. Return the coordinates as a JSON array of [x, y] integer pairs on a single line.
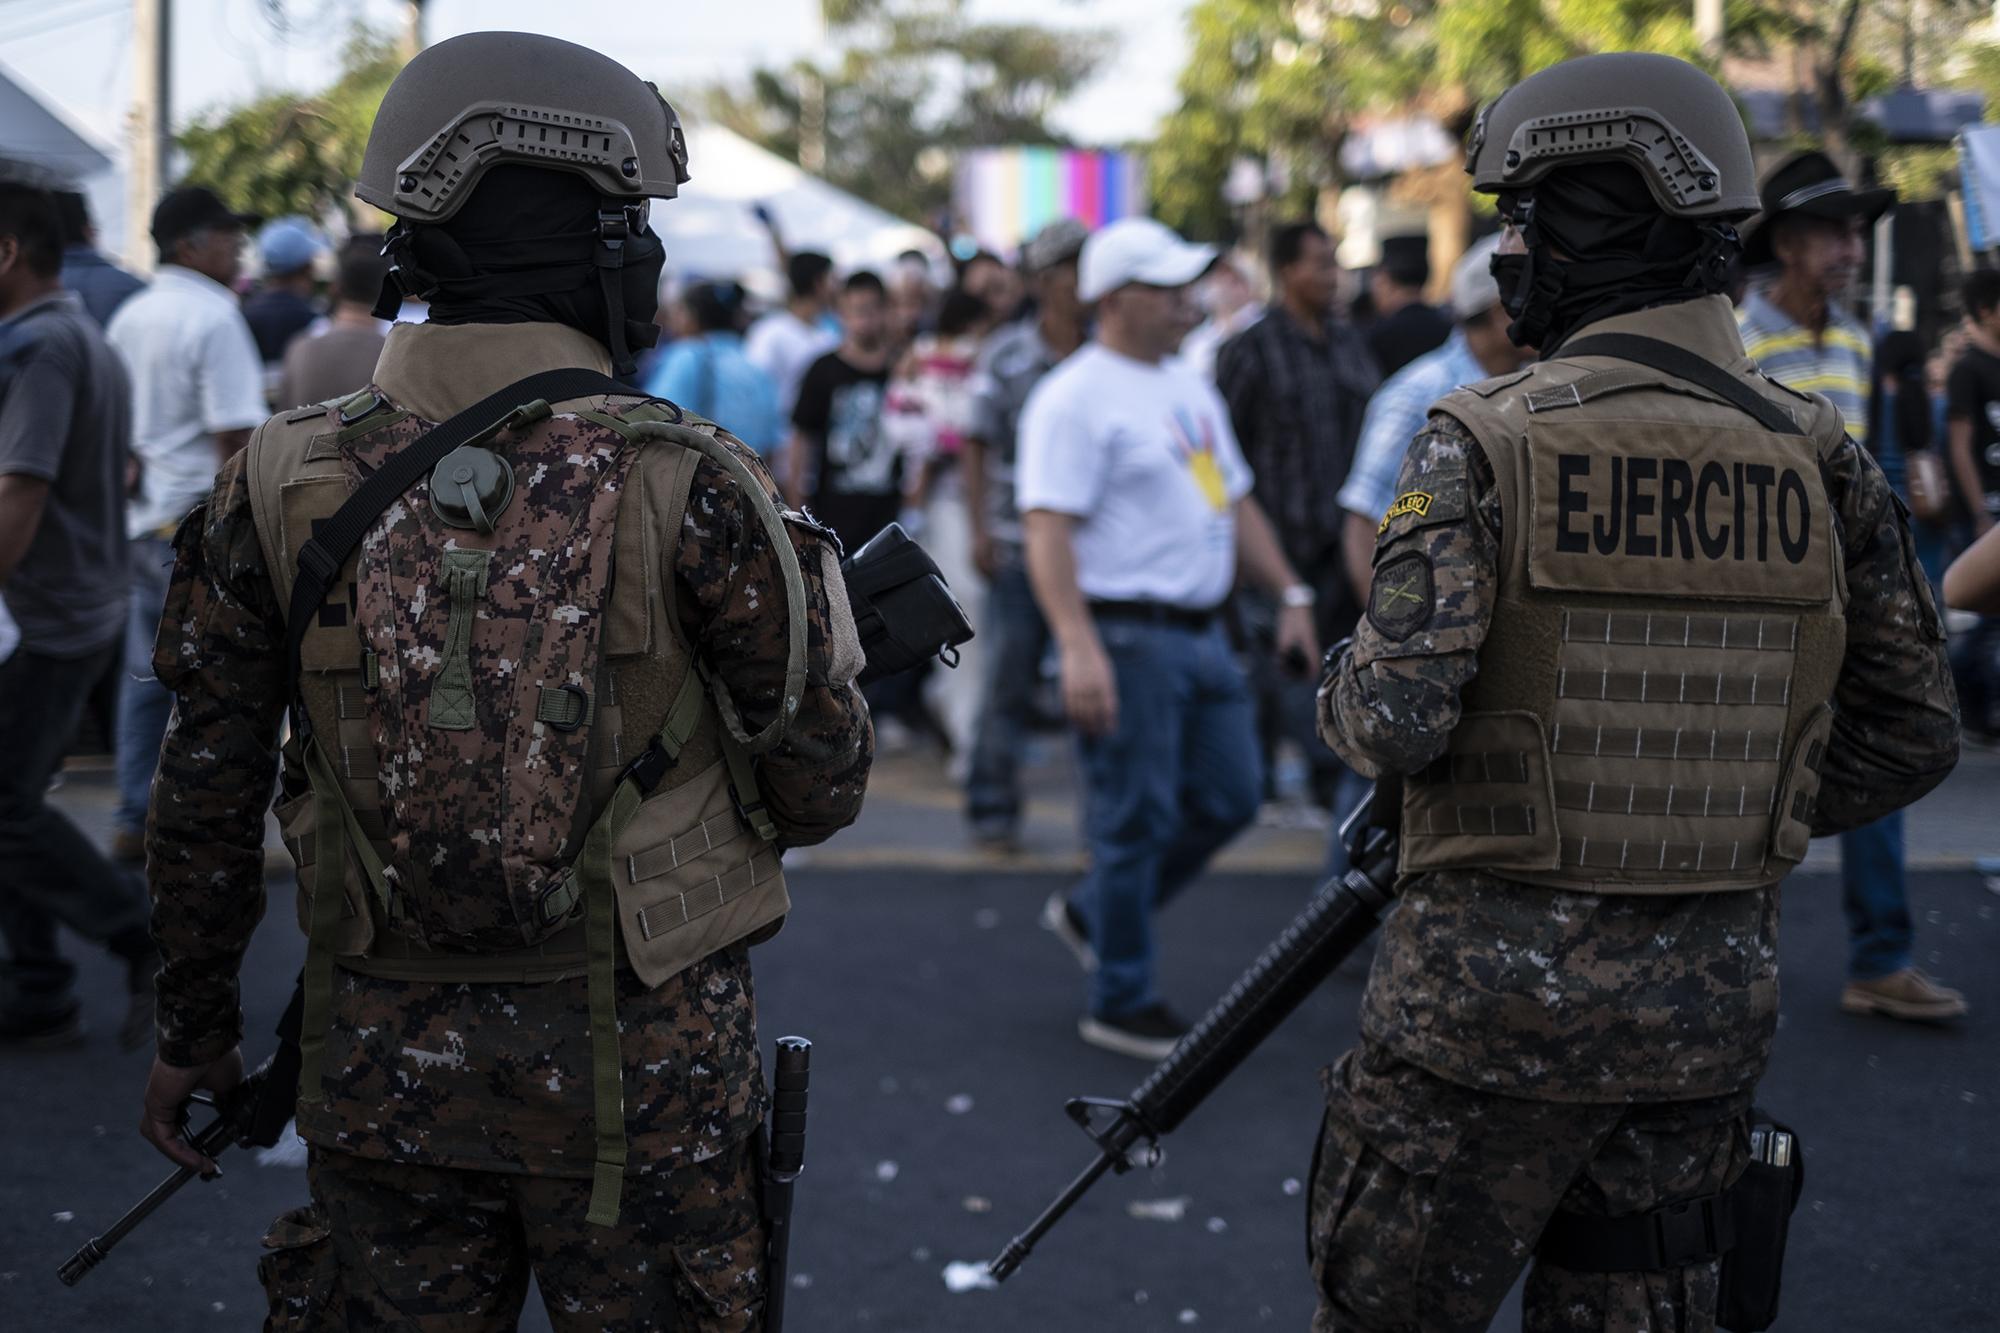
[[731, 593], [1895, 726], [1390, 700], [221, 651]]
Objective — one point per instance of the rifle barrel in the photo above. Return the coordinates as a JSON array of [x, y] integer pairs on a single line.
[[209, 1143]]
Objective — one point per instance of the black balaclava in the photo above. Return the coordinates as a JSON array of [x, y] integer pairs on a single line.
[[533, 245], [1624, 253]]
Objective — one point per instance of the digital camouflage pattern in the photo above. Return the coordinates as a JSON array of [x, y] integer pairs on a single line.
[[1571, 996], [482, 810], [1428, 1199], [221, 649], [409, 1247], [449, 1074]]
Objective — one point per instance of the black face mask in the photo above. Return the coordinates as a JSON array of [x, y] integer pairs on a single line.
[[1638, 257], [536, 246]]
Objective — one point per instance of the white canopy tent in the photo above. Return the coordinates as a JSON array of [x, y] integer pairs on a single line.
[[710, 231], [33, 131]]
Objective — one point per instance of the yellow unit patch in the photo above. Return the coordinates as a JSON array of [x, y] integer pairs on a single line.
[[1410, 502]]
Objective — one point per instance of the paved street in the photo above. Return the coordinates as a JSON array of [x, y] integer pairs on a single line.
[[943, 1026]]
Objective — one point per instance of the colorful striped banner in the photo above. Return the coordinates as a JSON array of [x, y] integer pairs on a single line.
[[1005, 195]]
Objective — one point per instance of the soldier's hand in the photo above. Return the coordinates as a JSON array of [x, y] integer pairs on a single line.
[[1090, 690], [1297, 640], [168, 1088]]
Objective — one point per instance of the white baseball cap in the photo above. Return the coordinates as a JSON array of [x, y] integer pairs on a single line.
[[1138, 250], [1474, 289]]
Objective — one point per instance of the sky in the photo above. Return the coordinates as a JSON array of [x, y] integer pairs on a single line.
[[77, 55]]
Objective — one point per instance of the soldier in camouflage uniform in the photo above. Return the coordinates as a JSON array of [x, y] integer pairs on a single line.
[[1621, 711], [451, 1120]]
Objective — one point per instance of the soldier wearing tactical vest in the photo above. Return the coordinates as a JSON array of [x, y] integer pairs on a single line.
[[557, 704], [1642, 623]]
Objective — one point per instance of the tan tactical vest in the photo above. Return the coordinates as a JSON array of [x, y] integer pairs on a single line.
[[1652, 699], [691, 865]]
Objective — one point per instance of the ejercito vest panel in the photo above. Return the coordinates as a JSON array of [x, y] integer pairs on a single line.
[[1652, 698]]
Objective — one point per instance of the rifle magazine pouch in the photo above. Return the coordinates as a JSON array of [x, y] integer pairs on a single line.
[[1763, 1199], [903, 611]]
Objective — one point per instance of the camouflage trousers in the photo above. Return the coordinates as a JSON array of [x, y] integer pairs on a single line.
[[1428, 1198], [389, 1245]]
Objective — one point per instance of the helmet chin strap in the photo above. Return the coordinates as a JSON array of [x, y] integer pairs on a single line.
[[613, 230]]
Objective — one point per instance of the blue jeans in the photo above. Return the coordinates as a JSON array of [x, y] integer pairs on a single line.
[[143, 703], [50, 872], [1017, 638], [1177, 779], [1876, 898]]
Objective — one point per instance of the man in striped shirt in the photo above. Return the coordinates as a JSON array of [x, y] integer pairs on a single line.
[[1794, 328]]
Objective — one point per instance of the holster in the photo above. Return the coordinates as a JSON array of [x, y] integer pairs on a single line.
[[1745, 1226], [1764, 1197], [903, 612]]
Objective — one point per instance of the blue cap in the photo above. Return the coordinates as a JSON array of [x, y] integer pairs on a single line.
[[289, 244]]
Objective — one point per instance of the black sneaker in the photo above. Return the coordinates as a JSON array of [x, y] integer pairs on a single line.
[[47, 1031], [1060, 918], [1146, 1034]]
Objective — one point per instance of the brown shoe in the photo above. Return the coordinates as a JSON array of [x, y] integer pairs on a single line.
[[128, 848], [1907, 994]]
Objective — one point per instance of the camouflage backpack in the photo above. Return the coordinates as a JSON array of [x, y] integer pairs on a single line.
[[504, 756]]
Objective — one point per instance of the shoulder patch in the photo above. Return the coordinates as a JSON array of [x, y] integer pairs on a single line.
[[1402, 597], [1409, 502]]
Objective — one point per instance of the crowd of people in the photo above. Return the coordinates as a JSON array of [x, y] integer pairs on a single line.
[[121, 398], [1001, 416], [1602, 569]]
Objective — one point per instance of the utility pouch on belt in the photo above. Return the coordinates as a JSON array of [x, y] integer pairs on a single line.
[[903, 611], [1764, 1197]]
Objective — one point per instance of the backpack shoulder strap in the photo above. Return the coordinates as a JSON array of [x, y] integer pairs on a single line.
[[645, 423], [1682, 364]]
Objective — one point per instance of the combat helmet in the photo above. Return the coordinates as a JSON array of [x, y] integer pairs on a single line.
[[483, 99], [1658, 114], [493, 99]]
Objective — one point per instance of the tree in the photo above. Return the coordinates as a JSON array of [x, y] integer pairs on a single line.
[[291, 153], [916, 80], [1283, 82]]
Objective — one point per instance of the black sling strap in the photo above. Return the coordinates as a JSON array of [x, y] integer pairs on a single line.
[[321, 558], [1684, 365]]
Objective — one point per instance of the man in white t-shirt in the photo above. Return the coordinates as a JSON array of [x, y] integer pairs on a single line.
[[197, 392], [785, 343], [1137, 511]]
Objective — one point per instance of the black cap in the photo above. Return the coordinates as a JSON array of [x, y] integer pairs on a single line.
[[1407, 258], [191, 208], [1808, 184]]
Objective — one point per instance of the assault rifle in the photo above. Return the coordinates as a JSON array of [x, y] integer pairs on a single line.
[[1333, 925], [253, 1114]]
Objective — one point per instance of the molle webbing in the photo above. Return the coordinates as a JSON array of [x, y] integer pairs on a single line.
[[1647, 716]]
